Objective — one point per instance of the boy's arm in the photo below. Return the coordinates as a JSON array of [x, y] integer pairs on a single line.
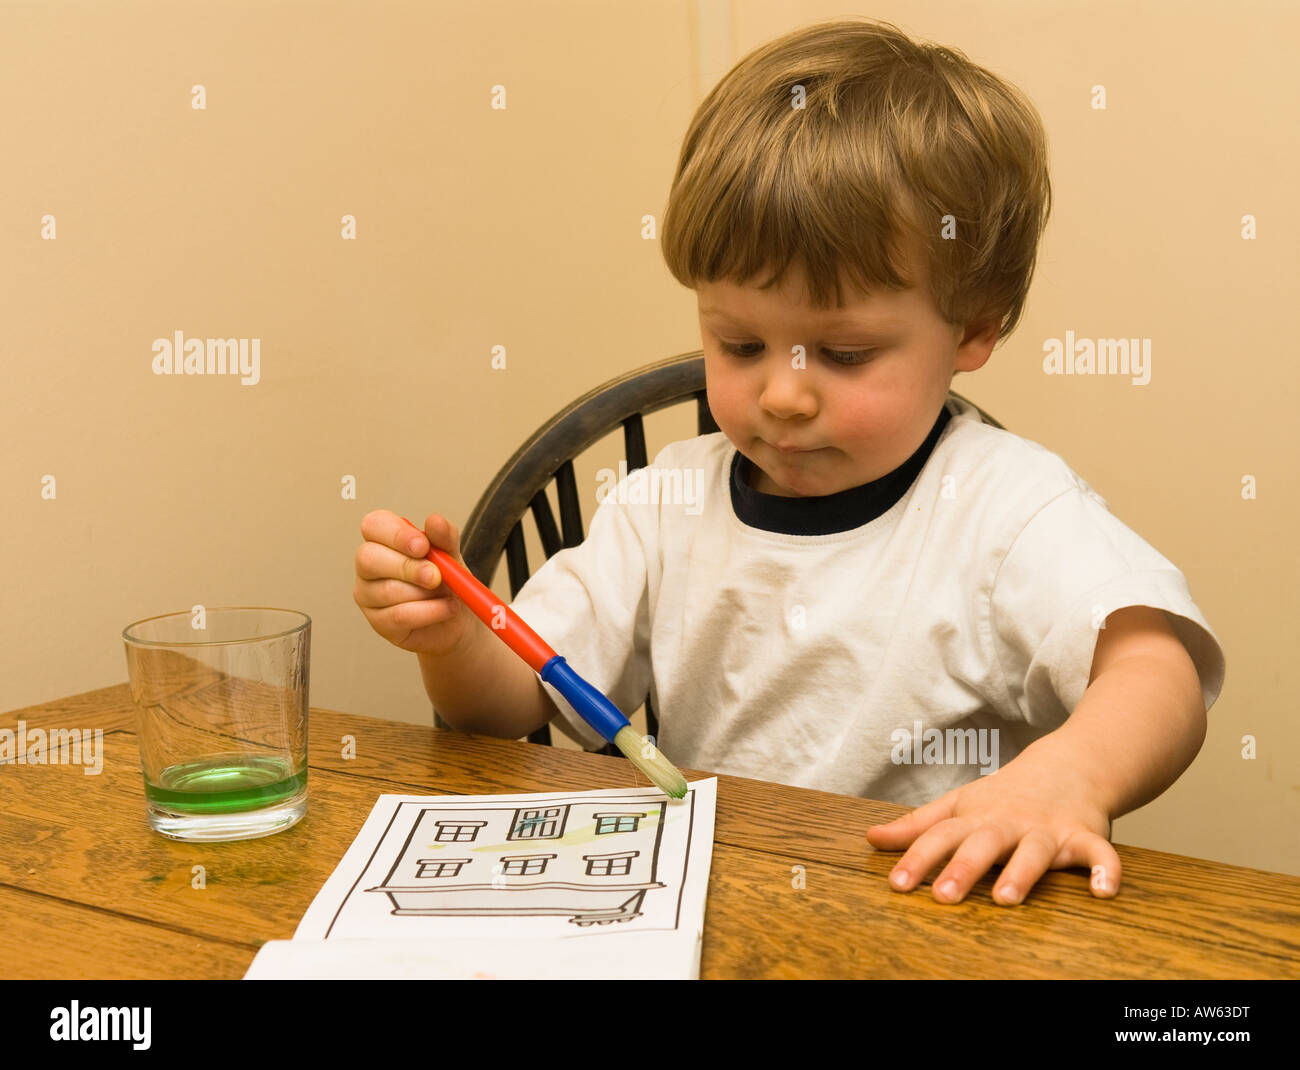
[[484, 686], [1142, 719], [1139, 724]]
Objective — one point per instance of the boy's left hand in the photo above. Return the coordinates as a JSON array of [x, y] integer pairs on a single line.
[[1034, 811]]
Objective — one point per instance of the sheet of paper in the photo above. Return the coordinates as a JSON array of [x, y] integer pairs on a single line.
[[614, 957], [475, 876]]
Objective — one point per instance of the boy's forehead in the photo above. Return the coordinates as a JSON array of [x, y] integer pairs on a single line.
[[728, 300]]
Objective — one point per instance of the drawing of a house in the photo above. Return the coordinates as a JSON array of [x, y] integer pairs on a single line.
[[593, 860]]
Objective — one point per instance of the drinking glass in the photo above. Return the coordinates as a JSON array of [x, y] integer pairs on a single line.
[[221, 700]]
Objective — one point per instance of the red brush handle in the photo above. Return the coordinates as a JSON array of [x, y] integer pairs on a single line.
[[490, 610]]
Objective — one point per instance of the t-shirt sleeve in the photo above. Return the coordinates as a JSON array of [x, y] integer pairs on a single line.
[[590, 603], [1072, 565]]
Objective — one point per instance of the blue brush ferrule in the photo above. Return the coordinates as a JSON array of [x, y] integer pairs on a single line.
[[590, 703]]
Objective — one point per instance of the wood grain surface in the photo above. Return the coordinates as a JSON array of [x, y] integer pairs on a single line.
[[88, 890]]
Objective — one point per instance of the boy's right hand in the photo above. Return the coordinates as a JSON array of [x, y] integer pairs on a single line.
[[401, 593]]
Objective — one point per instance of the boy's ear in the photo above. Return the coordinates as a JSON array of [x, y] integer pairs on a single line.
[[975, 348]]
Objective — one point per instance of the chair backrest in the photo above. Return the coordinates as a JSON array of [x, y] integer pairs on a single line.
[[496, 523]]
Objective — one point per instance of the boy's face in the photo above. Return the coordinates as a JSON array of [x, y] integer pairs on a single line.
[[856, 421]]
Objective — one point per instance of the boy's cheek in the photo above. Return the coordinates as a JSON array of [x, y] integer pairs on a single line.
[[729, 407]]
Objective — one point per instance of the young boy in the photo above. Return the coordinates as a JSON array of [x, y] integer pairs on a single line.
[[866, 589]]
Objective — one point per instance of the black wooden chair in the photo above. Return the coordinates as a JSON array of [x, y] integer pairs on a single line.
[[496, 524]]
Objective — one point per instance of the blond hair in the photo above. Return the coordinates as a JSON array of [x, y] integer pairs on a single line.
[[893, 137]]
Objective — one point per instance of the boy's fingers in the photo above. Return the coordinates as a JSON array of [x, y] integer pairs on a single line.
[[408, 538], [894, 836], [978, 851], [381, 595], [376, 562], [903, 830], [930, 849], [442, 534], [1103, 875], [397, 622], [382, 526], [1025, 867], [1090, 850]]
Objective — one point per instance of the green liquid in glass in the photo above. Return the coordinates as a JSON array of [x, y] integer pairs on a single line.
[[226, 784]]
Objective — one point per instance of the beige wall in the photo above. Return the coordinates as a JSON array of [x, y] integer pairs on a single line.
[[522, 228]]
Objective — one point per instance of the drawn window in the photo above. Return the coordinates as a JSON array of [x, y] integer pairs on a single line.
[[523, 865], [458, 831], [440, 867], [616, 865], [606, 823], [540, 824]]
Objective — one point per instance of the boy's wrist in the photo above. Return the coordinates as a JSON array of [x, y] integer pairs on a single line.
[[1130, 737], [445, 674], [1073, 765]]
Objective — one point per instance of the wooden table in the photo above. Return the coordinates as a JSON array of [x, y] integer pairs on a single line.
[[87, 890]]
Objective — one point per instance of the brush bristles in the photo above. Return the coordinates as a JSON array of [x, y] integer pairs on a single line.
[[651, 762]]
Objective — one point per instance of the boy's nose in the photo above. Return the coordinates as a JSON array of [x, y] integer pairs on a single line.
[[787, 392]]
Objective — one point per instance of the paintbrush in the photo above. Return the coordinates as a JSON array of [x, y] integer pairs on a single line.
[[590, 703]]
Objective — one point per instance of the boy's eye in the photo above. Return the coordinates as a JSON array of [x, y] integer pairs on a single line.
[[736, 350], [856, 356]]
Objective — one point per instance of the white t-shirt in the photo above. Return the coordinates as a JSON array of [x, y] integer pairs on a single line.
[[848, 642]]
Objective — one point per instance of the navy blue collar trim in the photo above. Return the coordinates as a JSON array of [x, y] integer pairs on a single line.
[[829, 513]]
